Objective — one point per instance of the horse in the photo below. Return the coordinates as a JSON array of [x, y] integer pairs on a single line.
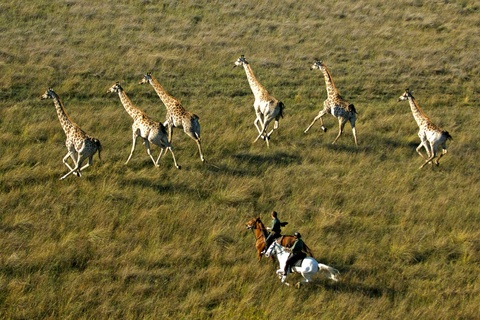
[[261, 235], [309, 266]]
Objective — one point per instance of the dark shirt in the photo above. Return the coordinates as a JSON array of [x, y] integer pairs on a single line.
[[276, 225], [298, 246]]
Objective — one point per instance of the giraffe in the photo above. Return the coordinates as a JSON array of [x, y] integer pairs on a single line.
[[177, 116], [431, 136], [266, 107], [335, 105], [80, 145], [145, 127]]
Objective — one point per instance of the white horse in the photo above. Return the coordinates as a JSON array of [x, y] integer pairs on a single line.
[[308, 268]]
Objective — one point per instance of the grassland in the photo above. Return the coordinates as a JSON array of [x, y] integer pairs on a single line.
[[138, 242]]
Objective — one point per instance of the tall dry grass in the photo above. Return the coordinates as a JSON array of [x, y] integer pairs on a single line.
[[133, 241]]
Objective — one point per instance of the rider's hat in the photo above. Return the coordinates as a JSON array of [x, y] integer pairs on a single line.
[[297, 234]]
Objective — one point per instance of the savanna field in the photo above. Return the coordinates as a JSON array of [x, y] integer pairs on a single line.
[[133, 241]]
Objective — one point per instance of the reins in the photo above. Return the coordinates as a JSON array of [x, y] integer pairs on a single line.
[[262, 233]]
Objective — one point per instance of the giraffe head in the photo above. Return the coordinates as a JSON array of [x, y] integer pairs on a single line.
[[407, 94], [115, 88], [49, 94], [317, 65], [240, 61], [146, 78]]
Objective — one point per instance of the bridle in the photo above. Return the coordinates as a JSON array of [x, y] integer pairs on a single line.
[[274, 249], [254, 226]]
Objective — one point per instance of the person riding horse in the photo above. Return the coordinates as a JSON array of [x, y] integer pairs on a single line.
[[297, 252], [275, 231]]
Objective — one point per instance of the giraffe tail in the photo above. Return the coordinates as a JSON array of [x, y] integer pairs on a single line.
[[195, 126], [351, 108], [282, 107], [449, 137], [99, 147]]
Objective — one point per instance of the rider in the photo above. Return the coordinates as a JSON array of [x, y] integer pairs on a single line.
[[297, 252], [275, 231]]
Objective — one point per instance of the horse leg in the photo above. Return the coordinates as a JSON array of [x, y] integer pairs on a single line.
[[259, 251], [306, 277]]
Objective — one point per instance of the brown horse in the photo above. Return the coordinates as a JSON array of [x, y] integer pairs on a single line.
[[261, 235]]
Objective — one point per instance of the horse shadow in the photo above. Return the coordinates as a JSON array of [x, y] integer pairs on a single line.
[[345, 285], [353, 287]]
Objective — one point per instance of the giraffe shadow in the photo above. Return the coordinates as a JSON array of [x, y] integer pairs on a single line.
[[277, 158], [345, 147], [254, 164], [161, 188]]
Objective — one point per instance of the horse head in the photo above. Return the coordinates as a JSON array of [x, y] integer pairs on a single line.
[[250, 224], [272, 249], [255, 224]]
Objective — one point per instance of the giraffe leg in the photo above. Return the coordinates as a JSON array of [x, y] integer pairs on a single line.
[[260, 130], [427, 161], [311, 124], [70, 154], [159, 156], [263, 134], [341, 125], [133, 146], [318, 117], [354, 131], [89, 163], [418, 150], [431, 154], [196, 136], [174, 160], [76, 169], [255, 123], [170, 132], [260, 135], [444, 152], [147, 145], [275, 127], [163, 147], [67, 174], [437, 161], [200, 149]]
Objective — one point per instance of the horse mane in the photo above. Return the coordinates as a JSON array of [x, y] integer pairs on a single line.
[[260, 222], [262, 227]]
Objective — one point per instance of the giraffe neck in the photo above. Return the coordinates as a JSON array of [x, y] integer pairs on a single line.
[[332, 91], [66, 123], [162, 94], [257, 89], [420, 117], [133, 111]]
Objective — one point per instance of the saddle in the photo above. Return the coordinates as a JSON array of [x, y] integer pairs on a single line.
[[298, 263]]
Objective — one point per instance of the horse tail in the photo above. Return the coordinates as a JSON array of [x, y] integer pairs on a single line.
[[334, 273]]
